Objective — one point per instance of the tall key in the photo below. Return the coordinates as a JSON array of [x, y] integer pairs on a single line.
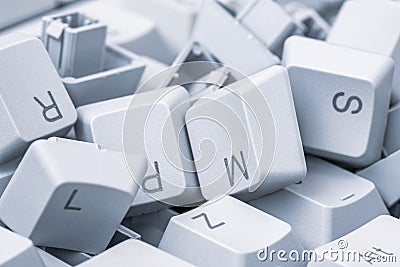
[[341, 97], [70, 194], [245, 138], [228, 232], [34, 102], [329, 203], [371, 26]]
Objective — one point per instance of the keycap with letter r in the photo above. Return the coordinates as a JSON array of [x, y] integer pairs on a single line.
[[342, 99], [228, 232], [70, 194], [34, 102]]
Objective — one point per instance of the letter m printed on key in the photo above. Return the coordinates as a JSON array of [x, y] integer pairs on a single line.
[[231, 170]]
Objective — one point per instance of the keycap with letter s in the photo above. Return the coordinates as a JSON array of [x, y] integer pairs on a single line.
[[34, 102], [70, 194], [342, 99]]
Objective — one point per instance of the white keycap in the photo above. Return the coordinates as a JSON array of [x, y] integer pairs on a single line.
[[174, 20], [151, 227], [371, 26], [373, 244], [134, 253], [6, 172], [231, 132], [392, 140], [341, 97], [16, 11], [215, 21], [329, 203], [227, 232], [268, 21], [70, 194], [156, 119], [327, 8], [384, 174], [34, 101], [49, 260], [17, 251]]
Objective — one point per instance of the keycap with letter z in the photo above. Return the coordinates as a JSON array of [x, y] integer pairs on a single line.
[[342, 99], [34, 103], [69, 194]]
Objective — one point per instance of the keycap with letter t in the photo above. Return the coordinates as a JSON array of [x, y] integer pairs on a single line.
[[371, 26], [341, 97], [228, 232], [245, 139], [70, 194], [34, 102]]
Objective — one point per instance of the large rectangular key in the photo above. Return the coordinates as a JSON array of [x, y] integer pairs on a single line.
[[70, 194], [34, 102], [329, 203], [245, 138], [342, 99]]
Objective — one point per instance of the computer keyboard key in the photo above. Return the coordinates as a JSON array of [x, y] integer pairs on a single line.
[[228, 232], [268, 21], [34, 101], [133, 253], [384, 174], [156, 119], [392, 140], [238, 49], [373, 244], [341, 97], [329, 203], [17, 251], [371, 26], [70, 194], [245, 138]]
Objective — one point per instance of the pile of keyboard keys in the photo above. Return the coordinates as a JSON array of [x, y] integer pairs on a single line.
[[81, 188]]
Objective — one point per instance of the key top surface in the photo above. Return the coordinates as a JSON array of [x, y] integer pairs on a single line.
[[35, 103], [217, 234], [341, 97], [329, 203], [71, 183]]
